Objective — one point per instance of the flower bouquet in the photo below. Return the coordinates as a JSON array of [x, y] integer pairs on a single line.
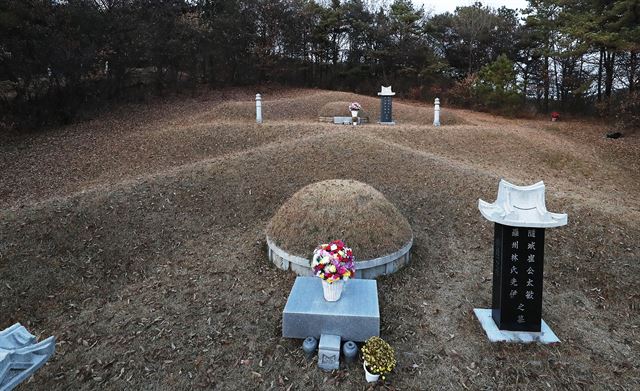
[[354, 107], [333, 263], [555, 116], [379, 359]]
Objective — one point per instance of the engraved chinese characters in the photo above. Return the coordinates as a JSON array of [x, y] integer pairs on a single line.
[[517, 285], [386, 109]]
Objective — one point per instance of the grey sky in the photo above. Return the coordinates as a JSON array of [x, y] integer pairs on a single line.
[[440, 6]]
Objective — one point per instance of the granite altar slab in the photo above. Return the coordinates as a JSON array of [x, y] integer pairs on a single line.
[[356, 316]]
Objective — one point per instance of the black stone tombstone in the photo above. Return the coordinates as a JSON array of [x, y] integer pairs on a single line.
[[518, 260], [385, 109]]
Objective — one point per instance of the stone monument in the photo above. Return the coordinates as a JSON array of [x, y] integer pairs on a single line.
[[386, 109], [21, 356], [521, 217]]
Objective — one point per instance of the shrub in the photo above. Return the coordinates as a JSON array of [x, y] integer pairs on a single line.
[[461, 94], [496, 89], [628, 112]]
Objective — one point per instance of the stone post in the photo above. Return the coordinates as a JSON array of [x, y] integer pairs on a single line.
[[436, 113], [520, 218], [258, 108]]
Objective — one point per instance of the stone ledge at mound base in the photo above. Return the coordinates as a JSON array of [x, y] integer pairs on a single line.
[[367, 269]]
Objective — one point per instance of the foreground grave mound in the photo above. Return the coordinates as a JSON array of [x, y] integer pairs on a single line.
[[352, 211]]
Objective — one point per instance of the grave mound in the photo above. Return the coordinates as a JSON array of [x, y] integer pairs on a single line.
[[339, 109], [352, 211]]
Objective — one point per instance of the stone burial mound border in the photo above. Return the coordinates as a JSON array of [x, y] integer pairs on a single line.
[[370, 268]]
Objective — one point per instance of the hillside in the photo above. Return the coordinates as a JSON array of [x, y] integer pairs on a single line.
[[137, 239]]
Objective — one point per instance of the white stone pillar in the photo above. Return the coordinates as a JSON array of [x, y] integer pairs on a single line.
[[436, 113], [258, 108]]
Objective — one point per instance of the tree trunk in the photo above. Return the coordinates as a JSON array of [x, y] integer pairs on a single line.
[[632, 71], [335, 49], [525, 82], [545, 78], [557, 82], [600, 76], [610, 59]]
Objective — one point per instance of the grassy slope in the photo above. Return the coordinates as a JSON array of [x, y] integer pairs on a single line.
[[138, 240]]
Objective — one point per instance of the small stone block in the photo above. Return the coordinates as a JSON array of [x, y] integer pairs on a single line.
[[329, 352], [545, 336], [355, 317], [329, 342]]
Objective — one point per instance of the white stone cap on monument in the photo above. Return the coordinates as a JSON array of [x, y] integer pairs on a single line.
[[386, 91], [521, 206]]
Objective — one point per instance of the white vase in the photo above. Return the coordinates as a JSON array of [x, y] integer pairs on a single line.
[[333, 291], [371, 378], [354, 116]]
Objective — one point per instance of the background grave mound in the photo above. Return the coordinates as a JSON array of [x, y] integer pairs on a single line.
[[339, 109], [379, 235], [311, 104]]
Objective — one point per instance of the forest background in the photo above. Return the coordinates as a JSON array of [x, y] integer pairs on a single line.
[[59, 60]]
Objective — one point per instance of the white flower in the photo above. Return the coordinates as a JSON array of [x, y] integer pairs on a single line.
[[324, 260], [334, 247]]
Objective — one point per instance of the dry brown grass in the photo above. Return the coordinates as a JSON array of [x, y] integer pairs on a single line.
[[339, 209], [137, 239]]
